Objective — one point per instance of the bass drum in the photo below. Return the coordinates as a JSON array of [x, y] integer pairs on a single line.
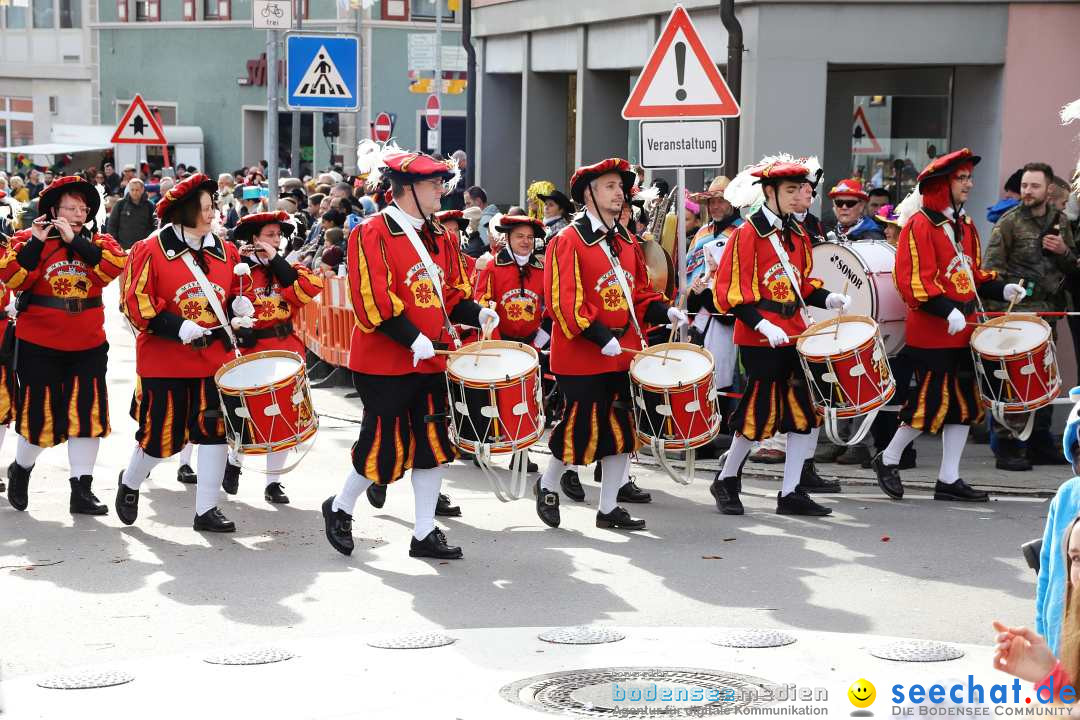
[[867, 269]]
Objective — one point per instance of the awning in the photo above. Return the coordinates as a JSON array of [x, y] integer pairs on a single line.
[[53, 149]]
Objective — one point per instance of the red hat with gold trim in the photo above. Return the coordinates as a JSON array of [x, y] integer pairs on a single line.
[[451, 215], [375, 161], [585, 175], [50, 196], [181, 190], [782, 170], [508, 222], [850, 187], [944, 165], [251, 225]]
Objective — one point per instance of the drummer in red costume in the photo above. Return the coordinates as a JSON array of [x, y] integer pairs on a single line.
[[59, 267], [764, 270], [276, 291], [407, 286], [7, 379], [180, 346], [594, 319], [939, 281]]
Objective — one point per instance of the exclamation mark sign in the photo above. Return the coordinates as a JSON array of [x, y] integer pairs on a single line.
[[680, 69]]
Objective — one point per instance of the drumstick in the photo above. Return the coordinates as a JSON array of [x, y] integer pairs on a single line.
[[999, 327], [465, 352], [650, 352], [1009, 309], [485, 332], [840, 313]]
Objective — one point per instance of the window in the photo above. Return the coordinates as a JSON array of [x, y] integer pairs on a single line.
[[147, 10], [425, 11], [16, 123], [70, 13], [121, 10], [894, 136], [44, 17], [189, 9], [15, 17], [217, 9]]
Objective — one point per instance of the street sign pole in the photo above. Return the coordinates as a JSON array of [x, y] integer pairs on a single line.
[[437, 148], [294, 145], [271, 134], [680, 245]]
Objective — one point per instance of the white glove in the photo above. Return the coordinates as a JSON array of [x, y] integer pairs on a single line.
[[772, 333], [242, 306], [489, 318], [191, 331], [612, 349], [677, 317], [1014, 293], [422, 349], [957, 321], [837, 301], [10, 309], [242, 321], [541, 339]]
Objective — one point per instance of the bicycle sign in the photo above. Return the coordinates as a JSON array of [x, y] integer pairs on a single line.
[[271, 14]]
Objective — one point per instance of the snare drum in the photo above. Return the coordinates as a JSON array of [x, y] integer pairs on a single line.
[[1016, 366], [267, 402], [495, 401], [846, 366], [674, 399]]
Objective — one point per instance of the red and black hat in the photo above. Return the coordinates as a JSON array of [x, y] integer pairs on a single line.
[[850, 187], [945, 165], [451, 215], [181, 190], [50, 196], [777, 171], [251, 225], [508, 222], [410, 167], [585, 175]]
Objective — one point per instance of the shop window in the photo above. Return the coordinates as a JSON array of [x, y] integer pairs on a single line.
[[894, 136], [44, 15], [70, 13], [217, 9], [14, 17]]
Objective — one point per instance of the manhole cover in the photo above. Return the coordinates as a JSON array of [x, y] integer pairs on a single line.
[[411, 641], [581, 635], [917, 651], [753, 638], [250, 657], [627, 692], [86, 680]]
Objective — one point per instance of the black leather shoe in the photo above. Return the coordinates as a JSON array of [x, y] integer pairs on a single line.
[[230, 481], [3, 487], [434, 546], [854, 455], [810, 481], [725, 492], [1041, 454], [1011, 457], [18, 484], [338, 527], [799, 503], [83, 501], [530, 466], [547, 505], [959, 491], [127, 502], [631, 493], [619, 519], [275, 493], [571, 485], [186, 475], [888, 479], [213, 520], [445, 508], [376, 495]]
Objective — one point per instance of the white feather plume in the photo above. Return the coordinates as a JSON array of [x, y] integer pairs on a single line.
[[909, 206], [1071, 113]]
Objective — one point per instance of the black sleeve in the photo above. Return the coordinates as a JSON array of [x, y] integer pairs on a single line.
[[992, 290], [939, 305], [697, 301], [89, 252], [166, 324], [656, 313], [29, 254], [466, 312], [748, 314], [400, 329], [283, 271], [817, 297], [597, 333]]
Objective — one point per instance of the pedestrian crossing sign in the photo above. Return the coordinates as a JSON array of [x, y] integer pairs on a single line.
[[322, 72]]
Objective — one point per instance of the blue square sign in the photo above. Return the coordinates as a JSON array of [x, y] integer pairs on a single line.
[[322, 72]]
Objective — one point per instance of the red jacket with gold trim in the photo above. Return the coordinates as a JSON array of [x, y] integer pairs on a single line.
[[750, 272], [277, 290], [586, 301], [932, 279], [159, 293], [55, 269], [518, 292], [394, 300]]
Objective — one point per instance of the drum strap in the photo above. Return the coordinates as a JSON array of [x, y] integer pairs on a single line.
[[785, 263], [616, 267], [959, 250], [211, 297]]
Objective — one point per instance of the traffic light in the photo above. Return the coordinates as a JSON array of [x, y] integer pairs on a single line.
[[330, 125]]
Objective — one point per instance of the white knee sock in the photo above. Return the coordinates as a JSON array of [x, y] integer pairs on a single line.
[[627, 478], [138, 468], [26, 454], [82, 454], [426, 485], [3, 433], [186, 453], [550, 479], [740, 448], [953, 439], [799, 447], [904, 435], [275, 461], [615, 469], [355, 485], [209, 473]]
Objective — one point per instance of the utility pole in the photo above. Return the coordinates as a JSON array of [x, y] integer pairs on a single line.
[[271, 135], [294, 145], [437, 146]]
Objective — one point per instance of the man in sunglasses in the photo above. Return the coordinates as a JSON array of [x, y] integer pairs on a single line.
[[849, 203]]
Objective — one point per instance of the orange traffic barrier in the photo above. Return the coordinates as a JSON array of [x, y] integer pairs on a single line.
[[325, 324]]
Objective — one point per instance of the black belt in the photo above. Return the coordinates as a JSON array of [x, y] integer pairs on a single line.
[[782, 309], [281, 330], [206, 340], [71, 305], [967, 307]]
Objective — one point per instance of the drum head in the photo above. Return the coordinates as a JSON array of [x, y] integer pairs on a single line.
[[839, 264], [1032, 333], [831, 340], [686, 366], [509, 362], [258, 371]]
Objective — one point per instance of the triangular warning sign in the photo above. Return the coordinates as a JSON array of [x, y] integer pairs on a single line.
[[680, 80], [322, 79], [863, 140], [138, 126]]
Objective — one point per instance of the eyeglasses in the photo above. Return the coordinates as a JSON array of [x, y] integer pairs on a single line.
[[846, 203], [82, 209]]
